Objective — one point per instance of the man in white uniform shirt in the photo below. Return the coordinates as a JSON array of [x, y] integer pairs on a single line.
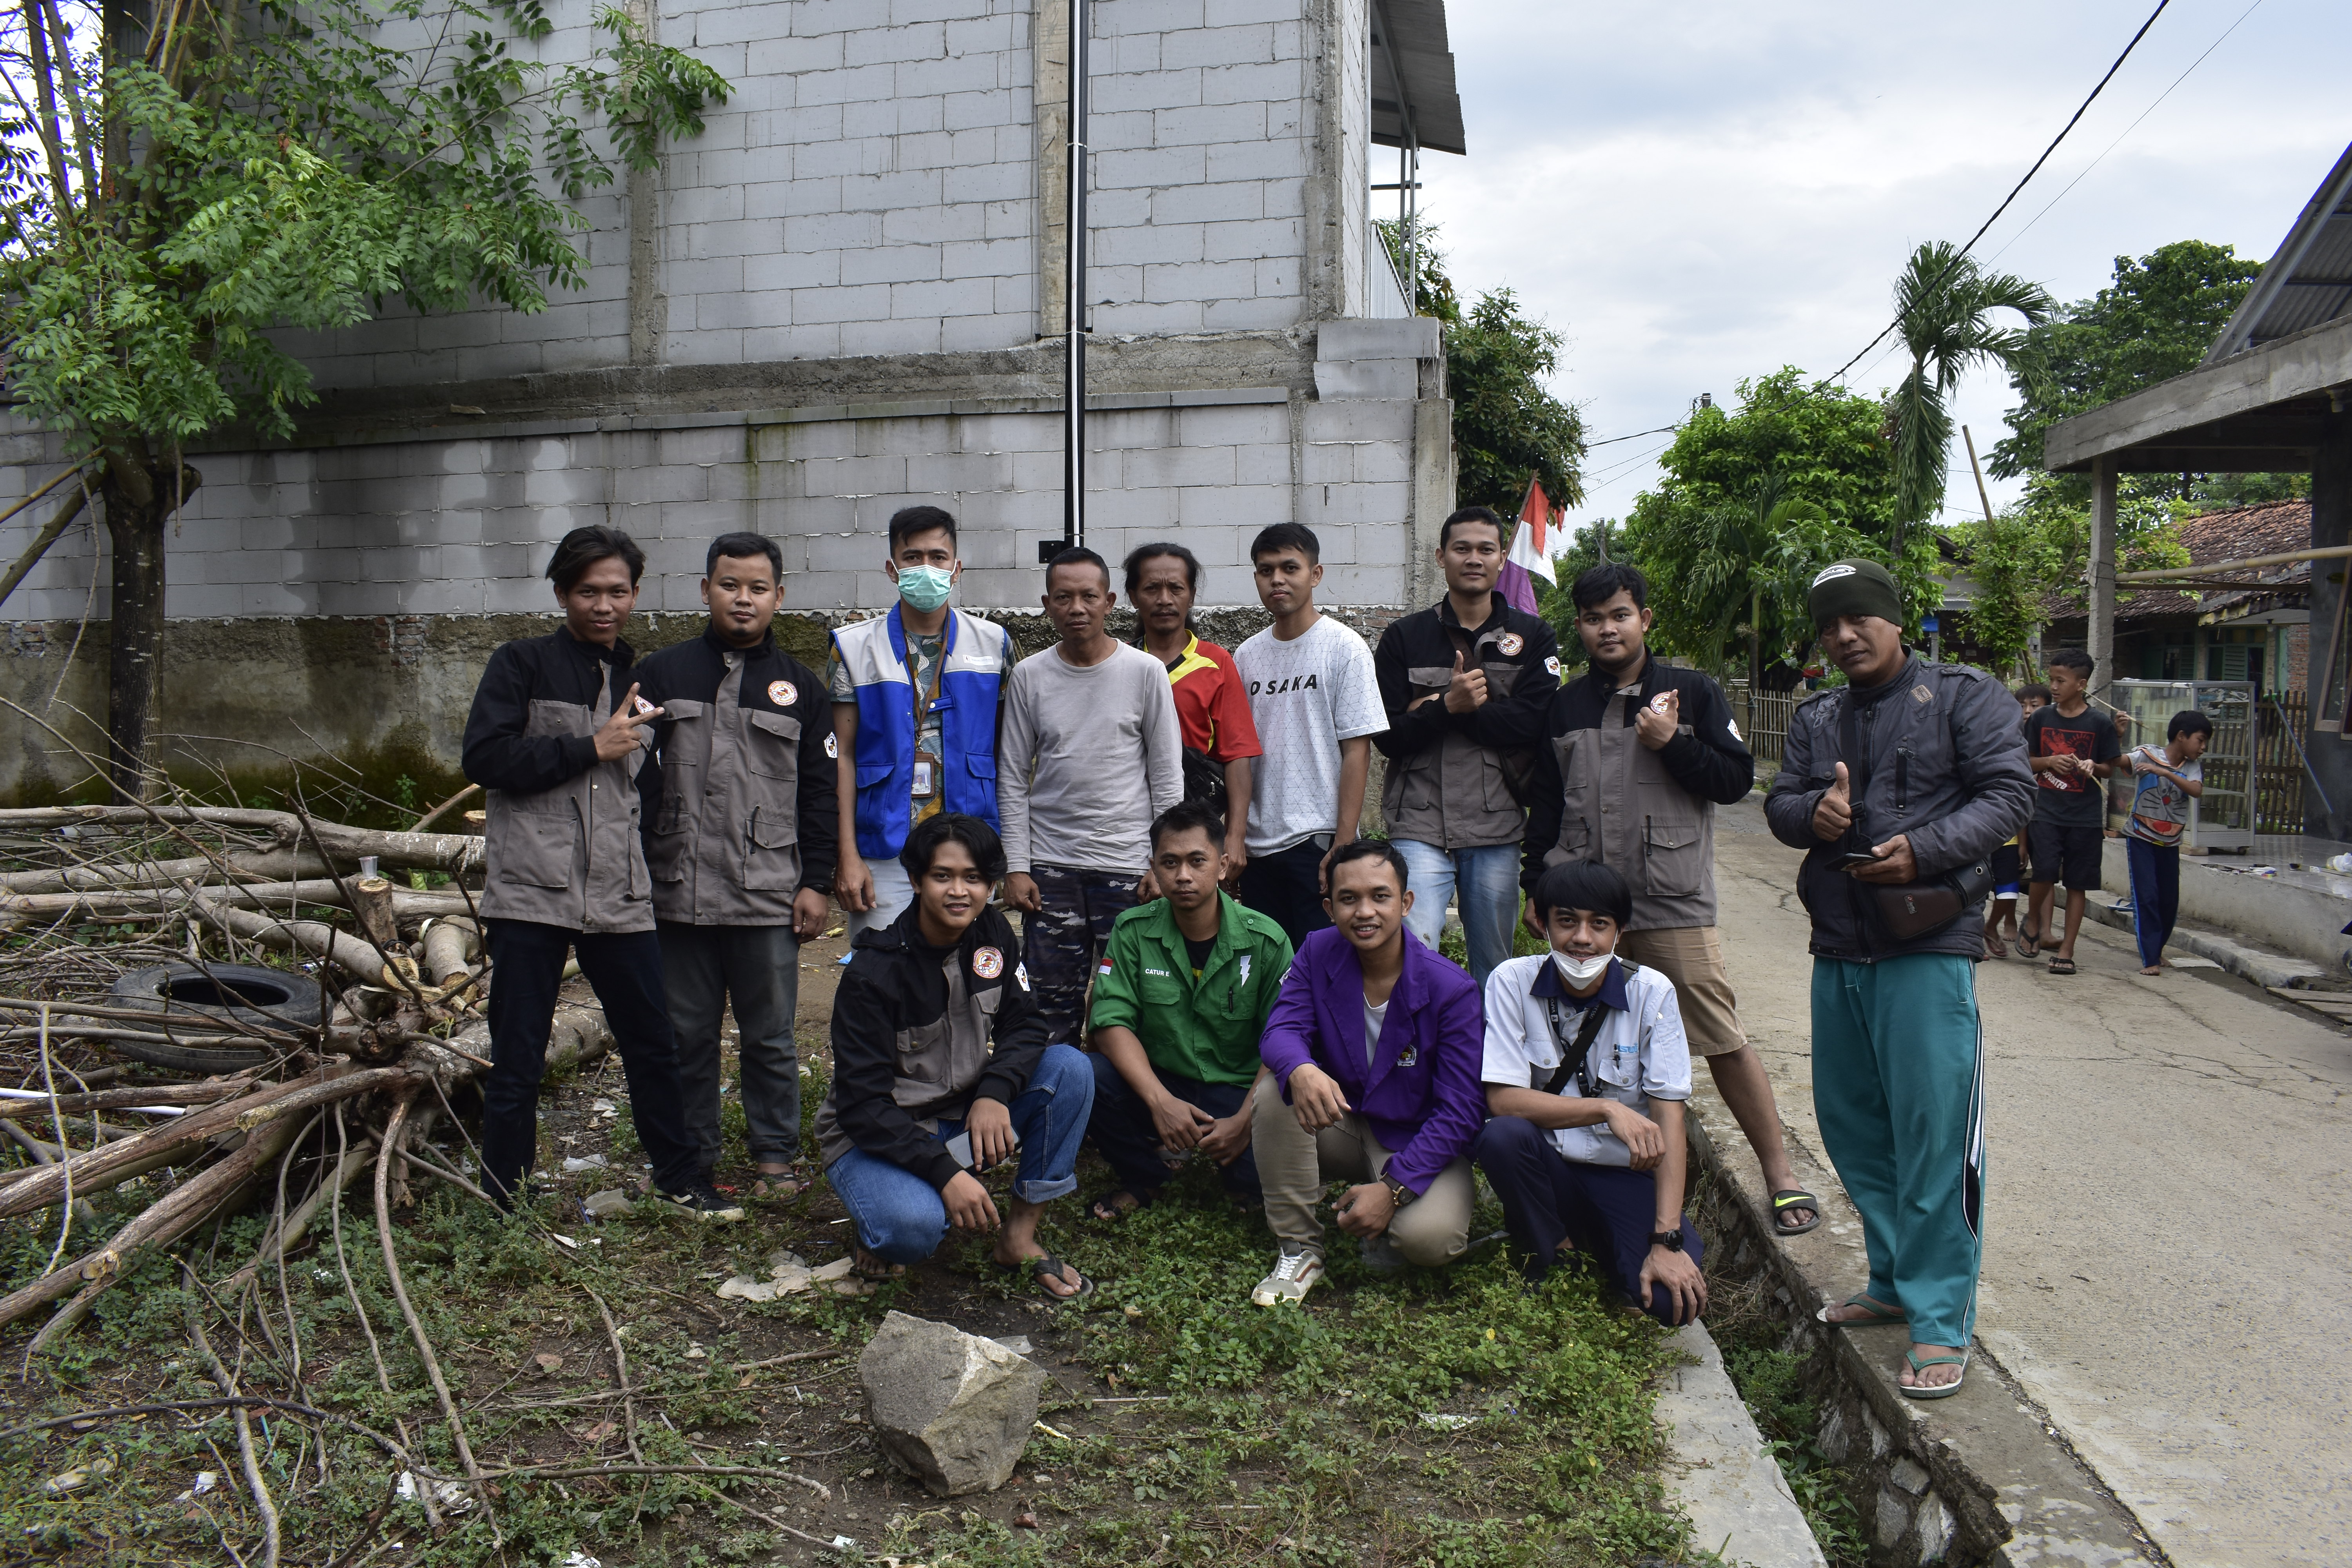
[[1316, 697], [1586, 1074]]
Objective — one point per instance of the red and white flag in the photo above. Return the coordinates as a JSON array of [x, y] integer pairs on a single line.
[[1530, 553]]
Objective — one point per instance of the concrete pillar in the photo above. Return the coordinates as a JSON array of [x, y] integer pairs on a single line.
[[2331, 524], [2103, 575]]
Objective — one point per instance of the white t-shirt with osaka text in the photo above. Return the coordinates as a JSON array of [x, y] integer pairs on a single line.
[[1307, 695]]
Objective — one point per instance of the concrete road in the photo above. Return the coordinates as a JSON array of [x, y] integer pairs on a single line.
[[2169, 1236]]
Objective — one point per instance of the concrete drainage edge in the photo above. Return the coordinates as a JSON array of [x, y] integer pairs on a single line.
[[1965, 1481], [2264, 969]]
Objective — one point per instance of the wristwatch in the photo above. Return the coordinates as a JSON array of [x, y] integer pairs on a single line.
[[1672, 1240], [1399, 1193]]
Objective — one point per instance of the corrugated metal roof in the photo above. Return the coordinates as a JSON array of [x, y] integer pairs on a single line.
[[2309, 282], [1409, 52]]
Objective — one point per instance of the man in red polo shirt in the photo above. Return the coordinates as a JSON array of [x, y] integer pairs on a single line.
[[1212, 703]]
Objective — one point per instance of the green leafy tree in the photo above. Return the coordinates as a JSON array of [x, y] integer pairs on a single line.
[[2036, 553], [179, 182], [2154, 322], [1704, 536], [1506, 427], [1945, 307]]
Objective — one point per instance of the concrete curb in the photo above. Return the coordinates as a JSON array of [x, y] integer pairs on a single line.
[[1739, 1504], [2264, 969], [1981, 1478]]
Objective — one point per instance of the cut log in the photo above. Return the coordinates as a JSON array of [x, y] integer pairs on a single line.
[[372, 907], [320, 940], [155, 903], [450, 945], [456, 853]]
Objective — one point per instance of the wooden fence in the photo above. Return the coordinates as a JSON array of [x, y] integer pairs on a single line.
[[2280, 778]]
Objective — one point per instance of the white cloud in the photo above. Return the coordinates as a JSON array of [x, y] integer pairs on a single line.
[[1699, 194]]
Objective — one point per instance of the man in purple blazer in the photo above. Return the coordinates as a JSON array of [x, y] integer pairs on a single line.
[[1373, 1050]]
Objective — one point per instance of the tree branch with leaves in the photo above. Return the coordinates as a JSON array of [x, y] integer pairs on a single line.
[[172, 193]]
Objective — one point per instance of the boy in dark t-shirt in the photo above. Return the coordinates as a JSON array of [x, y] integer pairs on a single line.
[[2070, 748]]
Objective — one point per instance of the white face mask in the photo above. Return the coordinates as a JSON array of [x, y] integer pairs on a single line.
[[1581, 971]]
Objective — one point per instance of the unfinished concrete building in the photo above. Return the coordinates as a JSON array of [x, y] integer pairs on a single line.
[[844, 297]]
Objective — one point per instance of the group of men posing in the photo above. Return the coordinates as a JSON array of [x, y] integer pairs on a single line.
[[1213, 962]]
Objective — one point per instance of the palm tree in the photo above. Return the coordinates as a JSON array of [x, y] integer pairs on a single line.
[[1742, 559], [1944, 305]]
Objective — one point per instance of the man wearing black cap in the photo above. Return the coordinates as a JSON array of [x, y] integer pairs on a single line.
[[1899, 787]]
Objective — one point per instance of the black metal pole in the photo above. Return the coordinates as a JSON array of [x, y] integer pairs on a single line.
[[1074, 283]]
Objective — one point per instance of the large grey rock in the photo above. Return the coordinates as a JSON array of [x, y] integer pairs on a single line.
[[952, 1408]]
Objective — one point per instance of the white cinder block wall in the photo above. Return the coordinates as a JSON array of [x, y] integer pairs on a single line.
[[837, 289]]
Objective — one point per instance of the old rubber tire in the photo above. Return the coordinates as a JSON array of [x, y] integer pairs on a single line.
[[264, 998]]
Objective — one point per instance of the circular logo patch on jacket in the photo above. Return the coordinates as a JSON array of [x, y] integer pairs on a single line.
[[1510, 643], [988, 962], [784, 694], [833, 747]]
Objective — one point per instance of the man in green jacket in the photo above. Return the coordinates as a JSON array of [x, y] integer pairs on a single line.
[[1180, 1000]]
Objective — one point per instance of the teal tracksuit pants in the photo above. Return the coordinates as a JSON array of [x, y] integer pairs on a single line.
[[1899, 1087]]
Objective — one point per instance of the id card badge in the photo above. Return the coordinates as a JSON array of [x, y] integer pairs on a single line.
[[927, 776]]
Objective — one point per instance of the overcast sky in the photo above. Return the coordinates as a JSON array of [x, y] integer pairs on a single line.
[[1699, 193]]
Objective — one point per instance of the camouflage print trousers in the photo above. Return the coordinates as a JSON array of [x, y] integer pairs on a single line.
[[1066, 938]]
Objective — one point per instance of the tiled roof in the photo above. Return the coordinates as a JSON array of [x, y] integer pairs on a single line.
[[2270, 529]]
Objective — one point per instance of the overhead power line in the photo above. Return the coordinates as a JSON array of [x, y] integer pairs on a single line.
[[2118, 141], [2005, 201], [1634, 436]]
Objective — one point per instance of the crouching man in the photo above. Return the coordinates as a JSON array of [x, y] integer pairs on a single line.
[[1372, 1050], [1182, 999], [921, 1104], [555, 739], [1586, 1072]]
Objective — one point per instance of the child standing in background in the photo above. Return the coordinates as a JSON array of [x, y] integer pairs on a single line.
[[2009, 861], [2163, 783]]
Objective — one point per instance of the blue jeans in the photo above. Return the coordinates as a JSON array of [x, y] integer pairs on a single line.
[[2155, 895], [1487, 882], [900, 1216]]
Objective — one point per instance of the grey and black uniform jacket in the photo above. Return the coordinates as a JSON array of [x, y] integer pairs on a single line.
[[561, 830], [1938, 756], [1444, 782], [1603, 795], [739, 806], [912, 1030]]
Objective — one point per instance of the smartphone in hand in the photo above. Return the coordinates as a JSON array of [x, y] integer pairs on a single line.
[[1855, 859]]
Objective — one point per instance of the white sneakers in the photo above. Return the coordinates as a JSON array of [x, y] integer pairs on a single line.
[[1297, 1271]]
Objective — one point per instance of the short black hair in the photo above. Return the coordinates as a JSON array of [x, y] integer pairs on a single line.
[[1277, 537], [1599, 584], [1133, 564], [742, 547], [909, 521], [1584, 885], [1369, 849], [1079, 555], [1484, 514], [2188, 722], [584, 547], [1188, 816], [987, 850], [2072, 658], [2035, 689]]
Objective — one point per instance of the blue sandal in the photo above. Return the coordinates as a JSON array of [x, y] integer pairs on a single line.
[[1937, 1391]]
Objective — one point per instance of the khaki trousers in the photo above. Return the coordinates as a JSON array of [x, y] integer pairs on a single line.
[[1691, 957], [1294, 1164]]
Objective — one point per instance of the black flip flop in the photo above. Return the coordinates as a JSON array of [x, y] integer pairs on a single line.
[[2061, 966], [1104, 1210], [1047, 1263], [1794, 1198]]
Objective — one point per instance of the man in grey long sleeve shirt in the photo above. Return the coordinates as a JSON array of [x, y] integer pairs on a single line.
[[1089, 754]]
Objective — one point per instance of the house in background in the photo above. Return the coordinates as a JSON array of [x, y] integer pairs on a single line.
[[843, 297], [2259, 632]]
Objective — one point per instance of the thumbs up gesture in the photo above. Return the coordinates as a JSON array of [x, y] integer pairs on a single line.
[[1466, 693], [1835, 815], [1656, 722]]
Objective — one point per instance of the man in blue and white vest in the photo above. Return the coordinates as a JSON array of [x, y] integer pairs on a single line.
[[915, 696]]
